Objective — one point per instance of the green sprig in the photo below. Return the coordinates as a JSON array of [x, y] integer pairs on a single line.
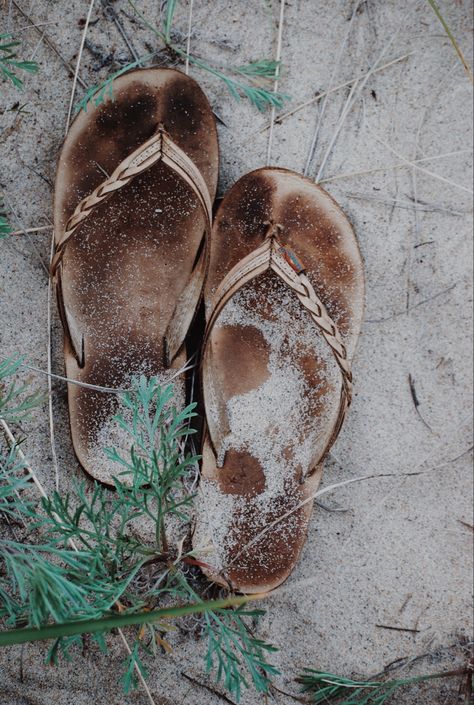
[[250, 88], [327, 687], [89, 571], [10, 64], [5, 227], [16, 402], [257, 95], [170, 10], [98, 93]]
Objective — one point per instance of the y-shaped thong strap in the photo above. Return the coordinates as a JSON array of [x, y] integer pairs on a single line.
[[160, 147], [271, 255]]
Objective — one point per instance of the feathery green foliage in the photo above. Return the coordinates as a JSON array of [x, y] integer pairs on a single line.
[[258, 94], [53, 583], [156, 465], [246, 81], [13, 481], [232, 649], [99, 93], [15, 402], [265, 68], [327, 687], [14, 406], [9, 62], [5, 227], [235, 651], [132, 662], [77, 562]]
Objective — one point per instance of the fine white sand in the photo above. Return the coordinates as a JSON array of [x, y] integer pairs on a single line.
[[399, 555]]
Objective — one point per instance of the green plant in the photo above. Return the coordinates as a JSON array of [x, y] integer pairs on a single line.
[[98, 93], [5, 227], [102, 624], [327, 687], [10, 64], [170, 9], [434, 6], [232, 648], [246, 81], [15, 402], [259, 95], [90, 569]]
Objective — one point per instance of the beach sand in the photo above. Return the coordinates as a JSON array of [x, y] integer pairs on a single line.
[[399, 555]]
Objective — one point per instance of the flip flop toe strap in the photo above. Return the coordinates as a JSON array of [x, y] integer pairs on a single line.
[[271, 255], [160, 147]]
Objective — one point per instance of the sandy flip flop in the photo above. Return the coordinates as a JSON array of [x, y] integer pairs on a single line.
[[284, 304], [135, 183]]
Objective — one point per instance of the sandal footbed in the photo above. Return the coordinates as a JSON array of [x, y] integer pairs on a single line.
[[316, 229], [125, 268]]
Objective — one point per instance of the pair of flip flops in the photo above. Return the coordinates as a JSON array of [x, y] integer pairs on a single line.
[[281, 276]]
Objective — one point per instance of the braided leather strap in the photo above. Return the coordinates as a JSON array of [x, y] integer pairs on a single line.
[[271, 255], [318, 312], [160, 147]]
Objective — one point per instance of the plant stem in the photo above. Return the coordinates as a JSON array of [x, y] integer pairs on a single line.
[[433, 676], [456, 46], [90, 626]]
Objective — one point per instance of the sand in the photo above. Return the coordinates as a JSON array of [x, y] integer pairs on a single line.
[[399, 555]]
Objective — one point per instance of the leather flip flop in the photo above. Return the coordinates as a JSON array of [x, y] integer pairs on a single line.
[[135, 183], [284, 304]]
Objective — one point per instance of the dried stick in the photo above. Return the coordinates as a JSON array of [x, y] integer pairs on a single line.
[[323, 94], [78, 63], [49, 43], [314, 140], [277, 77], [188, 38]]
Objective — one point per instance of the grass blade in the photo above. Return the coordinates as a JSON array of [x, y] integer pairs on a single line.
[[90, 626], [170, 8], [452, 38]]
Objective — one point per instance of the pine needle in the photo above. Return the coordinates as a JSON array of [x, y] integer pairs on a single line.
[[170, 9]]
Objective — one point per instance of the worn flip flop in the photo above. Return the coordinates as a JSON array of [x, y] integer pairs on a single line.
[[135, 183], [284, 305]]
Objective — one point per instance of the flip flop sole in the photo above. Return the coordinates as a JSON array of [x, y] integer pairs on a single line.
[[276, 375], [124, 269]]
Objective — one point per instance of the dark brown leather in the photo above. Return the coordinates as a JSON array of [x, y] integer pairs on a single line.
[[312, 226], [126, 267]]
